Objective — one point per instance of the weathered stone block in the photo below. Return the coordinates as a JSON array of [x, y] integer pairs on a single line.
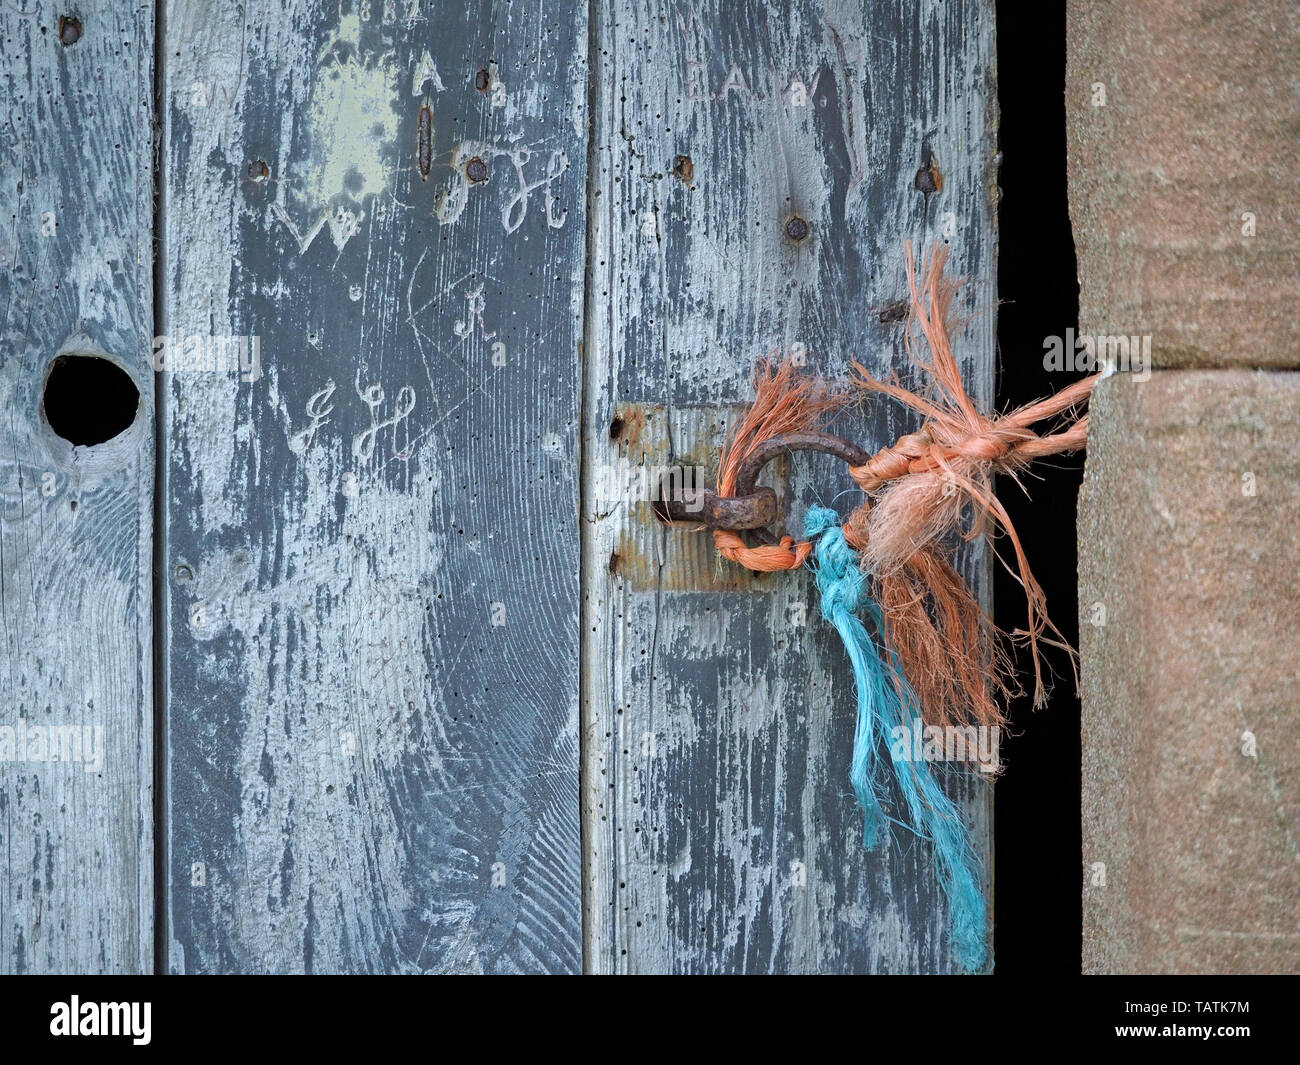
[[1183, 120], [1189, 617]]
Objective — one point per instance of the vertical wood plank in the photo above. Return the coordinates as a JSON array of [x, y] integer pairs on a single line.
[[76, 729], [722, 834], [372, 546]]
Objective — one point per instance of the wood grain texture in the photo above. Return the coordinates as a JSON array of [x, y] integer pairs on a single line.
[[76, 866], [721, 831], [372, 546]]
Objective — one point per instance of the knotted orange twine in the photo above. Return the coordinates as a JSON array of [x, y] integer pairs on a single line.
[[916, 492]]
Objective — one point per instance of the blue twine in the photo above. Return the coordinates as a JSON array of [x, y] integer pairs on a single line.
[[881, 708]]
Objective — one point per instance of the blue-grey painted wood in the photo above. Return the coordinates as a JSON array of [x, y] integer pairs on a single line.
[[369, 538], [372, 547], [76, 702], [722, 834]]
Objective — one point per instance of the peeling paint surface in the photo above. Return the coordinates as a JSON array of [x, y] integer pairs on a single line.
[[372, 671], [76, 846], [722, 833]]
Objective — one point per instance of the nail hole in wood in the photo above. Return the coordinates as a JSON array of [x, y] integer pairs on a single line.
[[69, 30], [89, 400]]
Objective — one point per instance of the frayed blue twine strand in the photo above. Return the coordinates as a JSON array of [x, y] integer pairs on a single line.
[[883, 706]]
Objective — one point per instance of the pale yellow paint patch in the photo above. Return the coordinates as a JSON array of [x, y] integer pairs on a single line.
[[353, 124]]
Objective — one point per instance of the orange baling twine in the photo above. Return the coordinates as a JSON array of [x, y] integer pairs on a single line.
[[916, 492]]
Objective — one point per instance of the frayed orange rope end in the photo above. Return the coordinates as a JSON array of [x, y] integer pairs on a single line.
[[920, 487]]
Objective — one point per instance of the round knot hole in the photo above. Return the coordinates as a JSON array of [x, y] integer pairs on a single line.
[[88, 400]]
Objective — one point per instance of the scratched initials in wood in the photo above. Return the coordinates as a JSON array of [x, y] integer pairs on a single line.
[[474, 313], [318, 412], [363, 444]]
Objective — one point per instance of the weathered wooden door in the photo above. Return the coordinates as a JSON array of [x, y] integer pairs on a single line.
[[386, 677]]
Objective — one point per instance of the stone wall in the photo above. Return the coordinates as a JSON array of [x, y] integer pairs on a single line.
[[1184, 120]]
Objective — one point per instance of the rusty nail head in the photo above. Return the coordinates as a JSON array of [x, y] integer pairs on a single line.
[[895, 312], [424, 142], [796, 228], [69, 30], [482, 80], [476, 170], [258, 170], [684, 168]]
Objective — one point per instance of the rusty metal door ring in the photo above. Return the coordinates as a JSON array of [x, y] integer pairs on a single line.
[[753, 507]]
